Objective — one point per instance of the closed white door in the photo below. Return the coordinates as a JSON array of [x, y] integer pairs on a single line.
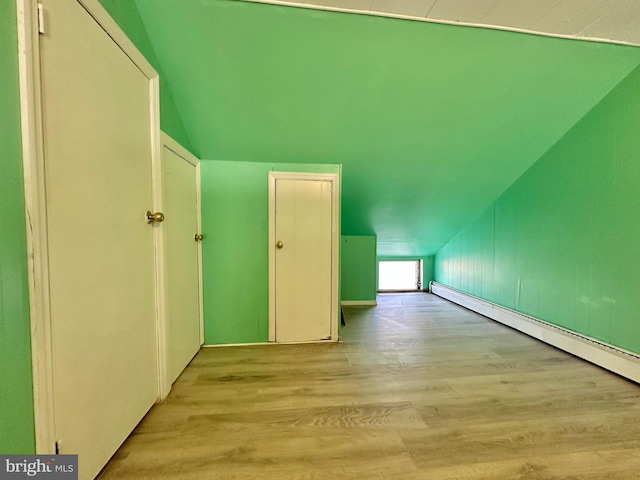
[[303, 260], [97, 152], [181, 254]]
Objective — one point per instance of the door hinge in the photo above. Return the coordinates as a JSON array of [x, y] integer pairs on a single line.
[[40, 18]]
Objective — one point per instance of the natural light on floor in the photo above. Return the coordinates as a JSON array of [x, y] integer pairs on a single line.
[[399, 275]]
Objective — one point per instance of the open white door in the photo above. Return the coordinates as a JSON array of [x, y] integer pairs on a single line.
[[303, 257], [95, 307]]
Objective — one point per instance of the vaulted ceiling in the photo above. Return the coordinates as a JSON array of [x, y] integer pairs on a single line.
[[615, 20], [431, 122]]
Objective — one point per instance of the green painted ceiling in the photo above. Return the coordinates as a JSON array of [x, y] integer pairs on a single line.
[[430, 122]]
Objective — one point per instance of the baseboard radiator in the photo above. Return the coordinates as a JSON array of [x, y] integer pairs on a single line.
[[610, 357]]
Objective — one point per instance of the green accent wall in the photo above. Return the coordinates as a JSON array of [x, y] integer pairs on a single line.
[[16, 395], [428, 271], [430, 122], [358, 266], [235, 256], [126, 15], [561, 243]]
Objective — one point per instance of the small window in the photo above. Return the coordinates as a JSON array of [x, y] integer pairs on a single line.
[[399, 275]]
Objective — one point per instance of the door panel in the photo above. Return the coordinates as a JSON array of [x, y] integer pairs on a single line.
[[97, 124], [303, 265], [181, 250]]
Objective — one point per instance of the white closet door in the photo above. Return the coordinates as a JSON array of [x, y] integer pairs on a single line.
[[303, 260], [97, 128], [181, 276]]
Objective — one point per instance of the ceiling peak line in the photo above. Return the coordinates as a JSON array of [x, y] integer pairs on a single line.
[[444, 22]]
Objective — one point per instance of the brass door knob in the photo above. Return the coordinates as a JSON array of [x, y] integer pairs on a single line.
[[279, 244], [198, 237], [155, 217]]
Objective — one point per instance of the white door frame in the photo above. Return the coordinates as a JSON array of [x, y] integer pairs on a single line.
[[187, 156], [35, 204], [334, 178]]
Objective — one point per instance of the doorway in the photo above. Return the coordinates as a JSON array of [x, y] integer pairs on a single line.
[[303, 257], [399, 275]]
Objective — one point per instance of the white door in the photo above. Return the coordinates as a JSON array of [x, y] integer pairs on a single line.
[[303, 249], [97, 153], [181, 260]]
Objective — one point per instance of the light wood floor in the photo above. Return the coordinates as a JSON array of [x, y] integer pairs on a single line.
[[420, 389]]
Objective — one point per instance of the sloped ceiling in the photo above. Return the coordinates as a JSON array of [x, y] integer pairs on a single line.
[[615, 20], [430, 122]]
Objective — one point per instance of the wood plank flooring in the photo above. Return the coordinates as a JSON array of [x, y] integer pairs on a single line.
[[420, 389]]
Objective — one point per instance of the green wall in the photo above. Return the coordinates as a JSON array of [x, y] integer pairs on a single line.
[[125, 13], [428, 271], [358, 267], [235, 259], [561, 243], [16, 397]]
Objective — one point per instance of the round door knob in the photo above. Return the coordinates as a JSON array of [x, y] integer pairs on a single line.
[[279, 244], [155, 217]]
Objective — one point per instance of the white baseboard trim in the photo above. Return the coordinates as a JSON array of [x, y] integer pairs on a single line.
[[220, 345], [352, 303], [610, 357]]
